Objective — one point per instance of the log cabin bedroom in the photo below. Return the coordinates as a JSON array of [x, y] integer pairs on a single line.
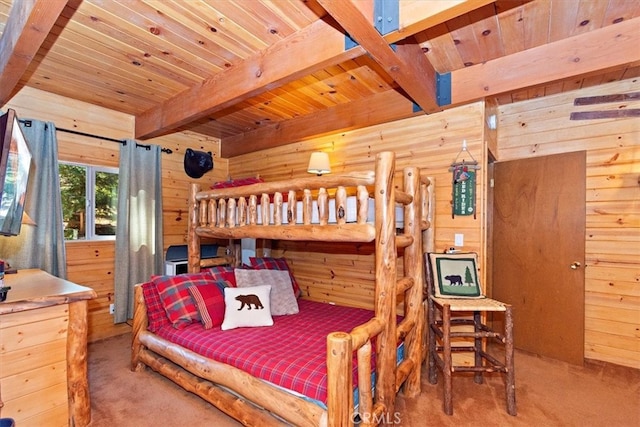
[[226, 212]]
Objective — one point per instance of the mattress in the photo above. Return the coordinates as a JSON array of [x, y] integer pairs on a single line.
[[351, 212], [291, 354]]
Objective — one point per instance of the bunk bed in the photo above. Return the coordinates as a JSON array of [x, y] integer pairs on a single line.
[[365, 366]]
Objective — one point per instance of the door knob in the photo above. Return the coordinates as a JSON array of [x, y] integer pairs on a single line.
[[575, 265]]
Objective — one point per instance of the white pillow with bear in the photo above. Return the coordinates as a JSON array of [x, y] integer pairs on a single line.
[[247, 307], [283, 299]]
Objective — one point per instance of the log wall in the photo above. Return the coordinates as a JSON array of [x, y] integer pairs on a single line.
[[92, 263], [612, 274]]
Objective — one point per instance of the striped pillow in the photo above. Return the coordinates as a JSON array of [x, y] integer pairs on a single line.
[[209, 300]]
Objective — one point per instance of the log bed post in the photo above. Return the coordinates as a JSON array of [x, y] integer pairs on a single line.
[[412, 263], [427, 199], [140, 324], [192, 237], [339, 380], [386, 276]]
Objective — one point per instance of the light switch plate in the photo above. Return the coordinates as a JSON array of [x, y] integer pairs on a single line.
[[458, 240]]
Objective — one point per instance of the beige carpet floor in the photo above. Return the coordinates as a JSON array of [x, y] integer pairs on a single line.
[[549, 393]]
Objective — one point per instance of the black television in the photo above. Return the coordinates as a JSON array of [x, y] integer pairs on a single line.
[[15, 164]]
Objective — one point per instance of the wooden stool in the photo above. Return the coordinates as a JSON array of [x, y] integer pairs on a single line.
[[445, 315]]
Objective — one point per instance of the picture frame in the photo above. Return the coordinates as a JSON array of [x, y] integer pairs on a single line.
[[455, 275]]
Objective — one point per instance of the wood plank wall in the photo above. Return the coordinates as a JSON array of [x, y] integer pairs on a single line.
[[612, 275], [93, 263], [344, 273]]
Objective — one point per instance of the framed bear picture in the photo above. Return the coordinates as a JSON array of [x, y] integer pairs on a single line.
[[455, 275]]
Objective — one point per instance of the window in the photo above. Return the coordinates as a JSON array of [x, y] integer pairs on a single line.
[[89, 201]]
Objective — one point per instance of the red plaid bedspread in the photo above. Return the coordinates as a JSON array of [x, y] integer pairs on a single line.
[[291, 353]]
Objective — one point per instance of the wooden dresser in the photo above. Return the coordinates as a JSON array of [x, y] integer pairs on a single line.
[[43, 351]]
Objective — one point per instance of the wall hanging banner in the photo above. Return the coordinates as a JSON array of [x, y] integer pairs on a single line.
[[463, 192], [464, 189]]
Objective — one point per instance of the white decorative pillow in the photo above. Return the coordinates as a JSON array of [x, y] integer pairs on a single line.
[[283, 299], [247, 307]]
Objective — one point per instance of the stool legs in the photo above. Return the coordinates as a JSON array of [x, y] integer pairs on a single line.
[[447, 368], [431, 355], [444, 361], [477, 347]]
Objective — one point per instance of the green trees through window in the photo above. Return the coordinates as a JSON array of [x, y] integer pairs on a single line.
[[89, 201]]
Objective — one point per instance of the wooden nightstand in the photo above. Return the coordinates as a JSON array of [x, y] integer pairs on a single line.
[[43, 351]]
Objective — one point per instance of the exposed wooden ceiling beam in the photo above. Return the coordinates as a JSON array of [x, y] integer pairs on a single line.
[[308, 50], [603, 48], [597, 50], [27, 27], [305, 52], [403, 67], [368, 111]]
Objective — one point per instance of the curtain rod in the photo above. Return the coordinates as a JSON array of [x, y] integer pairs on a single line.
[[27, 123]]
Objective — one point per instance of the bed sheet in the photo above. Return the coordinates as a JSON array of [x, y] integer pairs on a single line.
[[290, 354]]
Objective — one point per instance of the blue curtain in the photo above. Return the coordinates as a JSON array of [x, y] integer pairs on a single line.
[[40, 245], [139, 247]]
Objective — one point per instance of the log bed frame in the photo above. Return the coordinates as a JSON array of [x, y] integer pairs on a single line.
[[254, 402]]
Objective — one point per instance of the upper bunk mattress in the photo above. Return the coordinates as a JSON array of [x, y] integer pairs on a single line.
[[351, 212]]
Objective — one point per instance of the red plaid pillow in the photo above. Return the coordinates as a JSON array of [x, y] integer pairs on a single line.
[[209, 300], [276, 264], [223, 273], [155, 311], [176, 299]]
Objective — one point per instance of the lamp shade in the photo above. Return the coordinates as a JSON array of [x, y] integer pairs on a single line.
[[319, 163]]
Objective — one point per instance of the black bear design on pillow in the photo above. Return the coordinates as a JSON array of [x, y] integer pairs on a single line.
[[454, 280], [249, 300]]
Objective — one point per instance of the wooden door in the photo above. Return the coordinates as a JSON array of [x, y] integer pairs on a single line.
[[538, 238]]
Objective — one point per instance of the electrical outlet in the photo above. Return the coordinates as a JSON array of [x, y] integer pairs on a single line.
[[112, 308]]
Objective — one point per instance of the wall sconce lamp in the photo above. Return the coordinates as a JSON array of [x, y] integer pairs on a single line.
[[319, 163]]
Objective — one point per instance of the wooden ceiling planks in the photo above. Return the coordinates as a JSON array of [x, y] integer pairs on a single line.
[[436, 43], [155, 43], [535, 31], [620, 10], [563, 17], [488, 38], [215, 31], [590, 16]]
